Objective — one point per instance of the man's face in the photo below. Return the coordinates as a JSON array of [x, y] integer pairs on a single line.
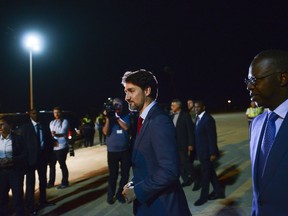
[[4, 128], [175, 107], [199, 108], [265, 88], [190, 105], [135, 97], [34, 115], [57, 114]]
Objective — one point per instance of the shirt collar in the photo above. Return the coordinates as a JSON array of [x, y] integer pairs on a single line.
[[201, 114], [34, 123], [8, 137], [281, 110], [147, 109]]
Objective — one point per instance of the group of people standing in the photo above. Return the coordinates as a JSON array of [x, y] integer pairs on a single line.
[[158, 149], [197, 138], [27, 150]]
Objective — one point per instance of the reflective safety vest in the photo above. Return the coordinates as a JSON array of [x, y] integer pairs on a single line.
[[253, 112]]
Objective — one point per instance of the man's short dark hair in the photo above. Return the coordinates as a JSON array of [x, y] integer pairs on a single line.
[[7, 119], [143, 79]]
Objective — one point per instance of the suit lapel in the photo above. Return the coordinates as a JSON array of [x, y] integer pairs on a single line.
[[256, 148], [278, 151]]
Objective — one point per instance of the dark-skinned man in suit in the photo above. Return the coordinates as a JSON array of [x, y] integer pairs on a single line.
[[207, 153], [39, 150]]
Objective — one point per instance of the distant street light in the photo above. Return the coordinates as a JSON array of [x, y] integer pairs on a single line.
[[32, 42]]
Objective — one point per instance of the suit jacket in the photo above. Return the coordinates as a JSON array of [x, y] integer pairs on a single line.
[[184, 131], [269, 198], [34, 152], [206, 137], [156, 168]]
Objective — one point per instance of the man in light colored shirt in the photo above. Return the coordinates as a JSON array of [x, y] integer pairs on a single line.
[[59, 131]]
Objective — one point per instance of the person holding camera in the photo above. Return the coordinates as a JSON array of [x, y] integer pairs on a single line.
[[117, 141]]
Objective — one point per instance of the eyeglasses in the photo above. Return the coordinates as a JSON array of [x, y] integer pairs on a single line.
[[253, 80]]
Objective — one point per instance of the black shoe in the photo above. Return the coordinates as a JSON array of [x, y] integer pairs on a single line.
[[200, 202], [196, 187], [186, 183], [111, 201], [121, 199], [49, 185], [62, 187], [46, 204], [214, 196], [33, 212]]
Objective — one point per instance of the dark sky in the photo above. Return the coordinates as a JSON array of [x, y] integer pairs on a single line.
[[198, 49]]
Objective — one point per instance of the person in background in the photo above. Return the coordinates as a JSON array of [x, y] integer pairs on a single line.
[[267, 84], [207, 152], [100, 122], [59, 131], [195, 171], [87, 128], [38, 142], [117, 139], [253, 111], [185, 140], [190, 107], [155, 188], [12, 167]]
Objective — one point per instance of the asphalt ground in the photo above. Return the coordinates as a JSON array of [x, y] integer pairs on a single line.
[[88, 174]]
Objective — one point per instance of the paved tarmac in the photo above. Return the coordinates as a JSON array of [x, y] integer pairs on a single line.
[[88, 178]]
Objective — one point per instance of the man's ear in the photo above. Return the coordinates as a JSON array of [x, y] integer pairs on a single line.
[[147, 91], [284, 79]]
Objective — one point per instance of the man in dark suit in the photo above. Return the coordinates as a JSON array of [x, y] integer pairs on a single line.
[[12, 166], [155, 187], [185, 140], [39, 149], [207, 152], [267, 84]]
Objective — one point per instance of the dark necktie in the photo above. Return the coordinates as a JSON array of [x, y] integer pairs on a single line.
[[267, 141], [38, 134], [197, 120], [139, 124]]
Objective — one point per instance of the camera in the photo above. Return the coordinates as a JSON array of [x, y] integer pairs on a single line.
[[111, 108]]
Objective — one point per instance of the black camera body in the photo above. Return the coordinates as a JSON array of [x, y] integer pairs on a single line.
[[111, 108]]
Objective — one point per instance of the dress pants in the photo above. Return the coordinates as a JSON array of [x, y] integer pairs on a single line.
[[60, 156], [185, 165], [116, 159], [208, 175], [11, 178], [41, 169]]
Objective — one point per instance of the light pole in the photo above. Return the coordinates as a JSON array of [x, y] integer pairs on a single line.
[[32, 42]]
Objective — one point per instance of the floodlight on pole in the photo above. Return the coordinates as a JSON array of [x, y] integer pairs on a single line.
[[32, 42]]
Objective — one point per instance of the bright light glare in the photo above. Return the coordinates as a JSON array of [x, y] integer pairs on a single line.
[[32, 42]]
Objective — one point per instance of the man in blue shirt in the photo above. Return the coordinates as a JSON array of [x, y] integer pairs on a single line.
[[117, 140]]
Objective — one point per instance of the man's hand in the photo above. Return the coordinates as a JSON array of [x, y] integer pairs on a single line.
[[213, 158], [128, 192]]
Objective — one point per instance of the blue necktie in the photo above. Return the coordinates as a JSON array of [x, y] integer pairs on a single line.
[[38, 134], [267, 141], [197, 120]]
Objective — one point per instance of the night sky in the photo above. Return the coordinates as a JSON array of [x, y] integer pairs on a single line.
[[197, 49]]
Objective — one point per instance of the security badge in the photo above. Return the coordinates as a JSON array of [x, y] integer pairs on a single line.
[[119, 131]]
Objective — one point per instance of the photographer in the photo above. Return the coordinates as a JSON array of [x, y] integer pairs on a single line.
[[117, 140]]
